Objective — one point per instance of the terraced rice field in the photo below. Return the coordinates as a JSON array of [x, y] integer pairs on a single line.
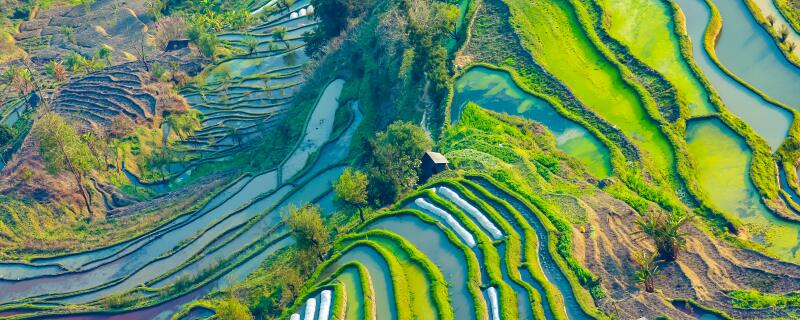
[[749, 52], [496, 91], [723, 161], [647, 29], [552, 32], [240, 227], [768, 120], [455, 250], [247, 94]]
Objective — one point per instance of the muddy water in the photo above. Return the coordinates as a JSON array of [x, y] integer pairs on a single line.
[[769, 121], [496, 91], [722, 160]]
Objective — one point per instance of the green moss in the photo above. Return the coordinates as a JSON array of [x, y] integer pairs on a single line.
[[752, 299]]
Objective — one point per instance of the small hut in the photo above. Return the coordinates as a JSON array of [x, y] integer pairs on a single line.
[[176, 44], [432, 163]]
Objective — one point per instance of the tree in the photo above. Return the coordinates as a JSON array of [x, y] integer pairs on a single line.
[[232, 309], [771, 20], [102, 57], [351, 188], [6, 135], [646, 270], [251, 43], [308, 229], [279, 34], [783, 31], [185, 123], [56, 70], [61, 148], [395, 159], [143, 51], [665, 231], [447, 16]]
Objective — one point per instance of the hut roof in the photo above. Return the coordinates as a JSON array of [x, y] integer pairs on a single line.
[[436, 157]]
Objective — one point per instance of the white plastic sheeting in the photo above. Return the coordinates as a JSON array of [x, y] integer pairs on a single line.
[[452, 222], [295, 316], [303, 12], [310, 10], [324, 305], [311, 309], [493, 304], [471, 210], [294, 15]]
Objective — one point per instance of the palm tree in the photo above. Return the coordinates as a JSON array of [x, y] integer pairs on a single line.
[[665, 231], [251, 43], [784, 32], [646, 270], [279, 34]]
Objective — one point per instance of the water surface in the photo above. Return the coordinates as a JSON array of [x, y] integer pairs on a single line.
[[495, 90], [722, 162], [769, 121]]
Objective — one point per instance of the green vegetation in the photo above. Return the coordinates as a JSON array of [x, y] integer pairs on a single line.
[[542, 26], [551, 232], [308, 230], [351, 189], [665, 231], [791, 10], [61, 149], [394, 161], [752, 299], [646, 270], [640, 26]]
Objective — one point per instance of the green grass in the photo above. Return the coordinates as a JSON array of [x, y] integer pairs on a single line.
[[640, 25], [790, 9], [752, 299], [552, 32]]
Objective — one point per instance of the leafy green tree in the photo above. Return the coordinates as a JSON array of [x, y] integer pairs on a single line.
[[61, 148], [232, 309], [395, 160], [646, 270], [351, 189], [665, 231], [6, 135], [447, 16], [308, 230], [184, 123]]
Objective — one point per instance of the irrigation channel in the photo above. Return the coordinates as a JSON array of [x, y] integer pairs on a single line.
[[240, 227]]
